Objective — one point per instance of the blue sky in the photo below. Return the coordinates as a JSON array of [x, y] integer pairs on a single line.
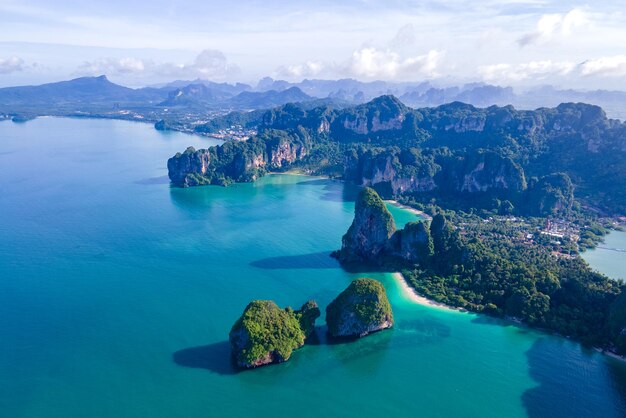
[[506, 42]]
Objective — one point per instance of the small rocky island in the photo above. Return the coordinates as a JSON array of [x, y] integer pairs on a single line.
[[266, 334], [359, 310]]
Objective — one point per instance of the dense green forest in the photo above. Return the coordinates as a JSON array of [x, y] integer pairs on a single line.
[[481, 267]]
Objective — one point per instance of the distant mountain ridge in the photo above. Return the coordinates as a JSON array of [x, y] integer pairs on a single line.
[[208, 95], [99, 91]]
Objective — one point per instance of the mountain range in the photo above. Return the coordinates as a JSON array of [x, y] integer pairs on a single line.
[[87, 93]]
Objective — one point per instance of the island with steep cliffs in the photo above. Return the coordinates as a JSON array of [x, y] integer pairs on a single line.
[[362, 308], [266, 334]]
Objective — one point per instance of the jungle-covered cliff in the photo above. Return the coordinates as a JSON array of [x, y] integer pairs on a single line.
[[538, 160]]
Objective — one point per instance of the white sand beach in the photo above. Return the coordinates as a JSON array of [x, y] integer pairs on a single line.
[[411, 294], [410, 209]]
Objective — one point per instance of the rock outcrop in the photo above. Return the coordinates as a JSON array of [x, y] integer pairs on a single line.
[[237, 161], [266, 334], [486, 171], [188, 169], [359, 310], [373, 238], [550, 195], [414, 242], [370, 232]]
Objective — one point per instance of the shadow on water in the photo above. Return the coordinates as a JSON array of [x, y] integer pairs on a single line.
[[485, 319], [568, 383], [154, 180], [406, 334], [321, 260], [334, 190], [617, 373], [213, 357], [365, 267]]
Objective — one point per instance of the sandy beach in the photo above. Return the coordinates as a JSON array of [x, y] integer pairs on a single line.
[[411, 294], [410, 209]]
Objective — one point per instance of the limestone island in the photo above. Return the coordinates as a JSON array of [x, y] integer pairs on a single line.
[[266, 334], [373, 238], [361, 309]]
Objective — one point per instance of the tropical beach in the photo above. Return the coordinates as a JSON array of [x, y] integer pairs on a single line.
[[411, 294]]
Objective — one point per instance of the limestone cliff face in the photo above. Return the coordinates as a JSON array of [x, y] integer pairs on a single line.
[[383, 172], [370, 232], [412, 184], [395, 122], [244, 164], [462, 124], [485, 171], [382, 115], [359, 310], [234, 161], [191, 161], [356, 124], [324, 126], [414, 242], [482, 172], [281, 153]]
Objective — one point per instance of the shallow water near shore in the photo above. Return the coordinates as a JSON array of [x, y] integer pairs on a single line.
[[609, 257], [117, 293]]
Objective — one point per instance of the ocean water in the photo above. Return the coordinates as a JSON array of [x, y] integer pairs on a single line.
[[117, 294]]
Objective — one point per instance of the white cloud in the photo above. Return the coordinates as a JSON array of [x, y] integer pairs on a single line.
[[386, 64], [534, 70], [550, 26], [209, 64], [127, 65], [391, 61], [11, 65], [299, 71], [614, 66]]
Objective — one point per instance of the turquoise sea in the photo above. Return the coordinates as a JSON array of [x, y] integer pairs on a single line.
[[117, 294]]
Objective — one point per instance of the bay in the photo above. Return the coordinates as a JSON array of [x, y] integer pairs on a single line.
[[117, 293]]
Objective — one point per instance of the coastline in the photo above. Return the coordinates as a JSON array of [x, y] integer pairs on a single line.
[[410, 209], [409, 292]]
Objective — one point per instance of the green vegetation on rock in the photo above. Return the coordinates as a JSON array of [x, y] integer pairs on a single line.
[[369, 234], [266, 334], [617, 323], [462, 156], [360, 309]]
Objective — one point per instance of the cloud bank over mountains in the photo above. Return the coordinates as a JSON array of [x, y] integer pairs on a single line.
[[516, 42], [209, 64]]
